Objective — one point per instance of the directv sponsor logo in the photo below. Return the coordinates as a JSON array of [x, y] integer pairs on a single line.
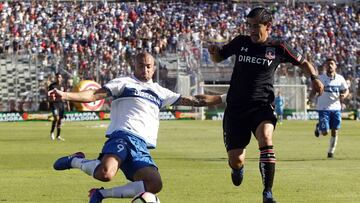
[[254, 60]]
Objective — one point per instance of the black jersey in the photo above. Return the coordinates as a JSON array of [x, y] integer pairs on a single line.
[[56, 104], [255, 64]]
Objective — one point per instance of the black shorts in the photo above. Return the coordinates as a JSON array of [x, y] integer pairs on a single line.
[[238, 124], [58, 111]]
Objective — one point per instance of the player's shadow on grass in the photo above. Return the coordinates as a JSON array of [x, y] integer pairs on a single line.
[[193, 159], [319, 159], [222, 159]]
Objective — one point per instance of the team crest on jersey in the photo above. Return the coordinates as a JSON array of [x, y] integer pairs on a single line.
[[270, 53]]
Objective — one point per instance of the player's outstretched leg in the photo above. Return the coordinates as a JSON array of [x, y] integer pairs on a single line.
[[64, 163], [237, 176], [128, 190]]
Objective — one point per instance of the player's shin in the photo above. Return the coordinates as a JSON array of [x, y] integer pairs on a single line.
[[53, 124], [333, 143], [126, 191], [58, 128], [267, 166], [88, 166]]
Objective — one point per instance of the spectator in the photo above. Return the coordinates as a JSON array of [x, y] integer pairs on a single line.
[[66, 34]]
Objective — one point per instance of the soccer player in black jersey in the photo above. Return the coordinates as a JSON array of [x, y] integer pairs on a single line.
[[57, 108], [251, 94]]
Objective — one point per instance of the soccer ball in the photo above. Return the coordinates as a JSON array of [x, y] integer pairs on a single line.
[[145, 197]]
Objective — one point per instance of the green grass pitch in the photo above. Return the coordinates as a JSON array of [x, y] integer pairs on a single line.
[[192, 161]]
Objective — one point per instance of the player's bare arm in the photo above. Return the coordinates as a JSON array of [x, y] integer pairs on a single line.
[[312, 97], [189, 101], [209, 100], [317, 85], [83, 96], [343, 94]]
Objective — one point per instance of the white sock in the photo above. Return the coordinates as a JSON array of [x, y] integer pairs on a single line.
[[126, 191], [88, 166], [333, 143]]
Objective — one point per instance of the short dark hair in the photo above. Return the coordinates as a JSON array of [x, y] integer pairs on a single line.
[[330, 59], [263, 14]]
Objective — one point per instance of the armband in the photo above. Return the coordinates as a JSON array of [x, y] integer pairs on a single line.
[[223, 98], [314, 77]]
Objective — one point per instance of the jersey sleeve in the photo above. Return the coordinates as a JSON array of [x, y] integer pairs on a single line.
[[169, 97], [230, 49], [115, 87], [291, 55]]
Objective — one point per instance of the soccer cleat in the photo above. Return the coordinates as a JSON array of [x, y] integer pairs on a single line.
[[267, 197], [52, 136], [60, 138], [95, 195], [237, 176], [330, 155], [316, 132], [65, 162]]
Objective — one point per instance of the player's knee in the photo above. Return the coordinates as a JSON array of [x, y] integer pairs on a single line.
[[153, 185], [236, 162], [104, 174], [267, 138], [236, 158]]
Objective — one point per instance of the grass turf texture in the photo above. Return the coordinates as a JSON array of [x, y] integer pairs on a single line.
[[192, 161]]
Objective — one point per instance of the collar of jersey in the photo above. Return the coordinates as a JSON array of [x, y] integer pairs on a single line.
[[330, 77], [135, 78]]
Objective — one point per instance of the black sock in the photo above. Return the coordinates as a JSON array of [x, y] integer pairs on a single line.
[[53, 126], [267, 166], [58, 132], [58, 128]]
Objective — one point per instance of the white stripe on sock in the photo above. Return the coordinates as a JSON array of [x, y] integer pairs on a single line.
[[333, 143]]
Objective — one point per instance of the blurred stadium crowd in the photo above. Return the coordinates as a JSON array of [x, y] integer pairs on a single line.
[[95, 40]]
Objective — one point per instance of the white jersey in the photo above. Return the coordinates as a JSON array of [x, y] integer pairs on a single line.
[[329, 100], [136, 106]]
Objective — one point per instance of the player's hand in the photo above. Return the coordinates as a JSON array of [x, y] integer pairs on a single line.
[[213, 49], [201, 100], [55, 95], [342, 97], [207, 100], [317, 86]]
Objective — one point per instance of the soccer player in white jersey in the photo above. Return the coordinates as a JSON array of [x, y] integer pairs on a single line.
[[329, 104], [132, 131]]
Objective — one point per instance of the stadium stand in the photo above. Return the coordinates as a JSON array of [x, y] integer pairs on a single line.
[[95, 39]]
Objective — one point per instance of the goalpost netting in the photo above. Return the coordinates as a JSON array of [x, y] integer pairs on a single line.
[[295, 97]]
